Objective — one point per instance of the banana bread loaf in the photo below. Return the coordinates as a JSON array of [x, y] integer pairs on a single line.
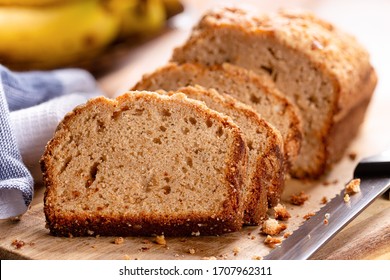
[[144, 164], [323, 70]]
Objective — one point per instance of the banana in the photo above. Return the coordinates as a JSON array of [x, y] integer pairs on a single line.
[[55, 35], [46, 34], [172, 7], [142, 18], [33, 2]]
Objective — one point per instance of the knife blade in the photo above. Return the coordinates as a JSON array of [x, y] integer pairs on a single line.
[[374, 173]]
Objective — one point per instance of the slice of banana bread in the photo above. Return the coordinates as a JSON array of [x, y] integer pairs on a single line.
[[258, 91], [323, 70], [265, 156], [144, 164]]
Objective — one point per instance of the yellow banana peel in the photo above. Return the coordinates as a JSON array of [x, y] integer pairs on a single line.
[[144, 18], [33, 2], [44, 34], [53, 36]]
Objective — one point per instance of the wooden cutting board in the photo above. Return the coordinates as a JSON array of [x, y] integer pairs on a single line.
[[367, 237]]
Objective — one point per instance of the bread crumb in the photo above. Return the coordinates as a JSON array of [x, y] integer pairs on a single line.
[[119, 240], [257, 258], [299, 199], [236, 250], [324, 200], [160, 240], [353, 187], [327, 183], [272, 227], [346, 198], [195, 233], [281, 212], [327, 216], [15, 219], [126, 257], [143, 249], [326, 221], [272, 241], [18, 244], [308, 215], [352, 155], [251, 237], [191, 251], [287, 234], [209, 258], [224, 256]]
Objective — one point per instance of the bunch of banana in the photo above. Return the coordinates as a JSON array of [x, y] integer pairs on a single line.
[[45, 34]]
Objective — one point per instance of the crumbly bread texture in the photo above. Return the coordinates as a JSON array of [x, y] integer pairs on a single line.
[[257, 91], [265, 151], [353, 187], [272, 227], [281, 212], [144, 164], [323, 70]]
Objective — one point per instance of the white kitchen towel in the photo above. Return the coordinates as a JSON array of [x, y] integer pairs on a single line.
[[31, 106]]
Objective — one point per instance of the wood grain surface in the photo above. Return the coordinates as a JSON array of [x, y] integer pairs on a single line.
[[366, 237]]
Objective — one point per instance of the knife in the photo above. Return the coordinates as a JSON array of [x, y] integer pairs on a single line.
[[374, 173]]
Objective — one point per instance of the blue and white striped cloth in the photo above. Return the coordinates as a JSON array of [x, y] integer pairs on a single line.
[[31, 106]]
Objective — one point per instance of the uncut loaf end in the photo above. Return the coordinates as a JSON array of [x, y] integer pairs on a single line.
[[144, 164]]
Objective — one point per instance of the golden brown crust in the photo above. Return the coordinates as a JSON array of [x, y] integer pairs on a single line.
[[347, 127], [346, 61], [69, 226], [66, 223]]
